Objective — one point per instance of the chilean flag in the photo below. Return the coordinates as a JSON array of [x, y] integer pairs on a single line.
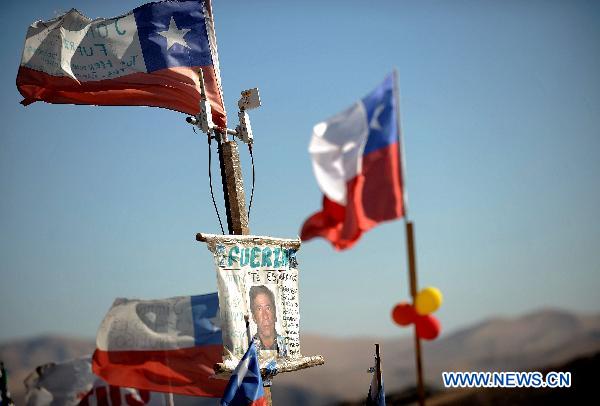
[[356, 161], [147, 57], [245, 387], [168, 345]]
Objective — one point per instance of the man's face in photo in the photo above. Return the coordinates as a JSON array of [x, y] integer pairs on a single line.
[[263, 312]]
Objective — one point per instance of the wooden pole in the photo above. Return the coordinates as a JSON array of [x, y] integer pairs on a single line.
[[233, 188], [168, 399], [412, 271], [220, 142], [410, 240], [235, 200]]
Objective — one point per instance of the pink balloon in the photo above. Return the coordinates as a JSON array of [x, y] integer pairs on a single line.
[[428, 327], [404, 314]]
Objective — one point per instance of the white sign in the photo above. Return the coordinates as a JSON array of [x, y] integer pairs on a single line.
[[258, 277]]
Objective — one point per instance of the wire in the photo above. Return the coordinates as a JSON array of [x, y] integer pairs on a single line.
[[253, 179], [212, 195]]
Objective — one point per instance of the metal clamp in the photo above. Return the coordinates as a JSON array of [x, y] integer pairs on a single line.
[[249, 100]]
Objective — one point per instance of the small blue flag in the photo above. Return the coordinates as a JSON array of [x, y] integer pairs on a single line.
[[245, 386]]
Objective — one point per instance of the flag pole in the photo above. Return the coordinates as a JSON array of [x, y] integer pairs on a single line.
[[412, 270], [247, 320], [410, 242], [233, 192], [378, 366], [233, 185], [237, 216], [169, 399], [220, 141]]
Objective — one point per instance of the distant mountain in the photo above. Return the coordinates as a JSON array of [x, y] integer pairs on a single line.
[[21, 357], [547, 337], [532, 341]]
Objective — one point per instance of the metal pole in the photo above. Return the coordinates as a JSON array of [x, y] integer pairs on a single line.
[[401, 157], [410, 241], [378, 366], [412, 271]]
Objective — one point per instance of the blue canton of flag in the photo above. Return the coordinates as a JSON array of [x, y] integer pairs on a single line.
[[205, 311], [245, 386], [381, 117], [172, 34]]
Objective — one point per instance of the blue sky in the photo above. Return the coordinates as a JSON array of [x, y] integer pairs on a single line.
[[500, 105]]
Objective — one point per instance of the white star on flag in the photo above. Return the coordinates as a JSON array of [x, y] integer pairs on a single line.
[[243, 371], [375, 124], [174, 35]]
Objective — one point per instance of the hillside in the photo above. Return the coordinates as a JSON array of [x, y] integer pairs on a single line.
[[537, 340]]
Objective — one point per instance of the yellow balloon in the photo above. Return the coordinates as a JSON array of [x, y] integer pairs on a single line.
[[428, 300]]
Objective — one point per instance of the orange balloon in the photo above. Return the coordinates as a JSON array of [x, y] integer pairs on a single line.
[[404, 314], [428, 327]]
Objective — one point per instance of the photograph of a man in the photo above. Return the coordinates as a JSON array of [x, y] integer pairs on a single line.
[[264, 314]]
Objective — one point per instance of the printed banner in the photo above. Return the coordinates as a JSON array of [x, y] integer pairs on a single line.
[[258, 277]]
